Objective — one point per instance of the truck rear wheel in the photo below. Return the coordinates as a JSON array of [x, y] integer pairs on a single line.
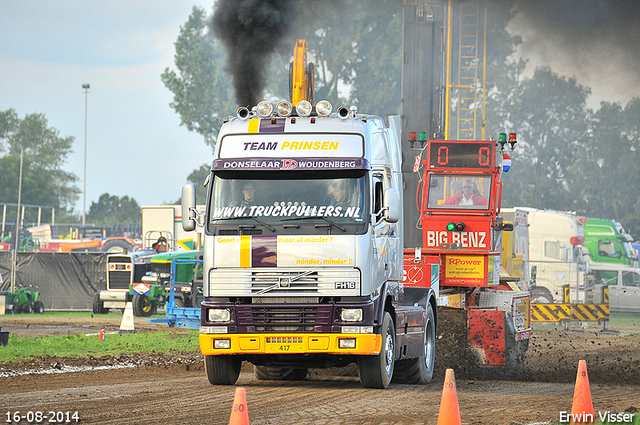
[[222, 370], [377, 371], [265, 373], [420, 370], [541, 295], [143, 306]]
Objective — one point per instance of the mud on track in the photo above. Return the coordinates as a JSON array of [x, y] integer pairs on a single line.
[[173, 389]]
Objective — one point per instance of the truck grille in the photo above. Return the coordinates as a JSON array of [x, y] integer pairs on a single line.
[[270, 318], [226, 282], [119, 278]]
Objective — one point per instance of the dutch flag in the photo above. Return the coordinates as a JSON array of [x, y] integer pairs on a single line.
[[506, 162]]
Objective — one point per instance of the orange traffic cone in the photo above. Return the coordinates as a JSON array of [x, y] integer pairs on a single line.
[[449, 411], [239, 412], [582, 407]]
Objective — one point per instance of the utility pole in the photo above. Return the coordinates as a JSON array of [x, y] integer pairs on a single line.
[[16, 230], [84, 178]]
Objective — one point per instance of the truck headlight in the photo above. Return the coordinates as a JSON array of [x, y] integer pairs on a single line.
[[284, 108], [219, 315], [304, 108], [264, 109], [323, 108], [351, 315], [222, 344]]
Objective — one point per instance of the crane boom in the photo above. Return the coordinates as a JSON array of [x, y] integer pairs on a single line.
[[301, 75]]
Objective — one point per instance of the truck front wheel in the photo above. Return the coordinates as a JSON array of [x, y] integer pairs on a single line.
[[420, 370], [377, 371], [222, 370], [143, 306]]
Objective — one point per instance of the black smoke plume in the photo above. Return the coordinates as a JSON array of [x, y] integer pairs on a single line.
[[598, 40], [251, 30]]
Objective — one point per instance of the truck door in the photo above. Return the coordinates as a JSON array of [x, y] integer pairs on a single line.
[[385, 238]]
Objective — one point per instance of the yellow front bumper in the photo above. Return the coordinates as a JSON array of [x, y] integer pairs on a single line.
[[366, 344]]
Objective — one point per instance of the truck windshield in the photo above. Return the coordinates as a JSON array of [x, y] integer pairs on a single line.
[[279, 198], [459, 192]]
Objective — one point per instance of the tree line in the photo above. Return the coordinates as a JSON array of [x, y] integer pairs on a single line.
[[569, 157], [44, 181]]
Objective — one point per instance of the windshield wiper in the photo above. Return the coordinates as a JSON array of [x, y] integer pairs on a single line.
[[344, 229], [273, 229]]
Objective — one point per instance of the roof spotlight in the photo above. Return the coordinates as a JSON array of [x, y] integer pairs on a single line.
[[284, 108], [303, 108], [343, 112], [264, 109], [323, 108]]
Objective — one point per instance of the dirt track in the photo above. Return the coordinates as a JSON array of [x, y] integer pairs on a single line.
[[174, 389]]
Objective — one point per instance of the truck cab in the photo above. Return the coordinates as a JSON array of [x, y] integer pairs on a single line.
[[608, 243], [557, 256], [303, 250]]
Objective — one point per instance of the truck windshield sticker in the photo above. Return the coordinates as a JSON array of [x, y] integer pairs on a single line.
[[287, 211], [459, 192], [284, 251], [290, 144], [342, 200]]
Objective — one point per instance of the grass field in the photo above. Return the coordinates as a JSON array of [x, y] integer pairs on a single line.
[[166, 341], [162, 340]]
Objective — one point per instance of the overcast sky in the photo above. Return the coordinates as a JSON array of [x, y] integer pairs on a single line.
[[135, 144]]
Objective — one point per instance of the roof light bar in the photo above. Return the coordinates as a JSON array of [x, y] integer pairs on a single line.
[[303, 108], [324, 108], [284, 108], [264, 109]]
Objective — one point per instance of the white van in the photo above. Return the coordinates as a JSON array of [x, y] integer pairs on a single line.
[[623, 284]]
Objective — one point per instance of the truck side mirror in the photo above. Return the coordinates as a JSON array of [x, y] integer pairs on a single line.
[[391, 203], [563, 254], [534, 272], [188, 204]]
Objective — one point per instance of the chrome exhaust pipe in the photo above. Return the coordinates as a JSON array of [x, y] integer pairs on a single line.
[[242, 113]]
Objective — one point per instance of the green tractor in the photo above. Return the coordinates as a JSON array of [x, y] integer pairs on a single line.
[[23, 301]]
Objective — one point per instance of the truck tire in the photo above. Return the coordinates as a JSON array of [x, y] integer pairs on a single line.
[[15, 309], [196, 294], [420, 370], [116, 246], [143, 306], [98, 305], [541, 295], [38, 307], [222, 370], [27, 308], [265, 373], [377, 371]]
